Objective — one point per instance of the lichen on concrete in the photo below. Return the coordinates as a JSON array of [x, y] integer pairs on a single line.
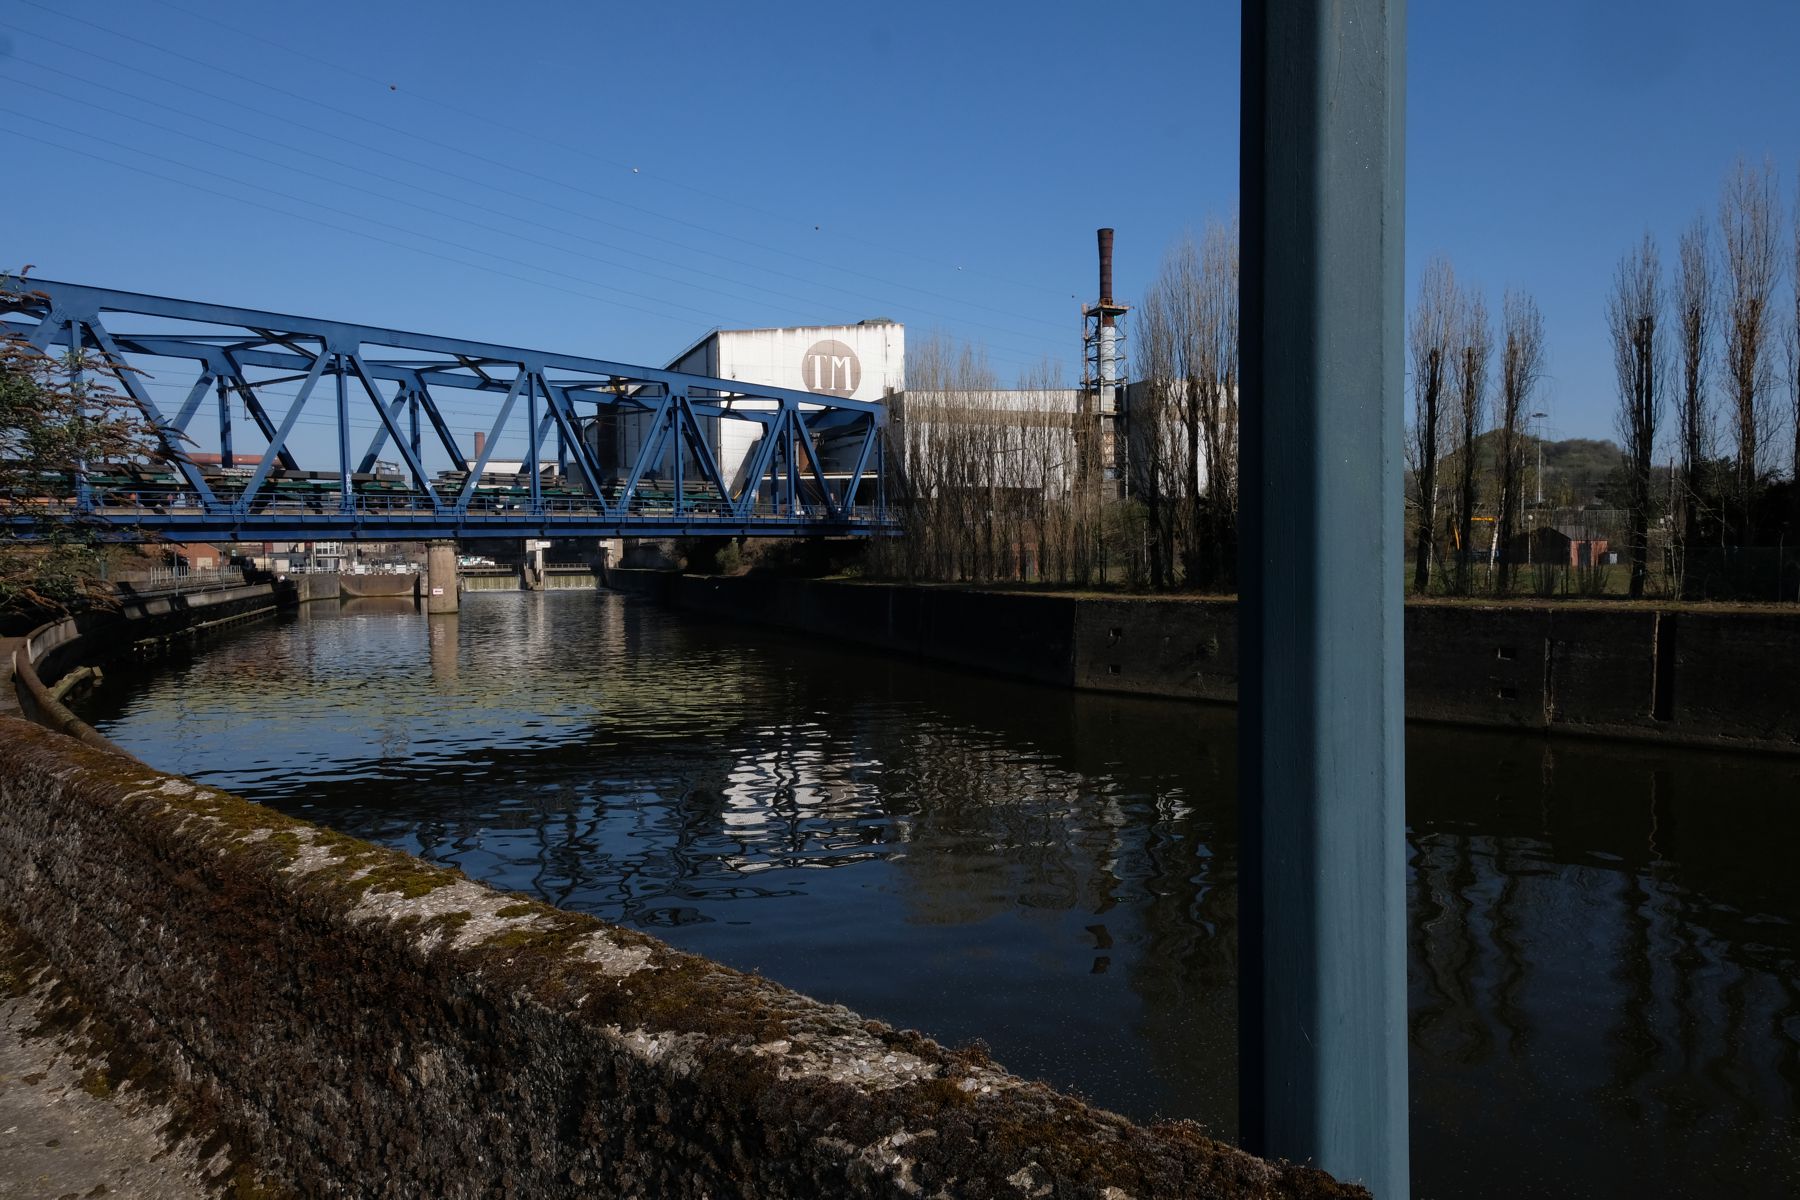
[[359, 1016], [839, 1056], [616, 960]]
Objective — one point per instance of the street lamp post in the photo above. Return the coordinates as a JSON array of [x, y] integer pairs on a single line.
[[1540, 416]]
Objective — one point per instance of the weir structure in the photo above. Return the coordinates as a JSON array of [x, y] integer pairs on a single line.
[[603, 449]]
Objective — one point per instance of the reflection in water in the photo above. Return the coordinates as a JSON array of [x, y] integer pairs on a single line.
[[1603, 937]]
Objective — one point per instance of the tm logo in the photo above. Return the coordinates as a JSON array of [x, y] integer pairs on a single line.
[[831, 368]]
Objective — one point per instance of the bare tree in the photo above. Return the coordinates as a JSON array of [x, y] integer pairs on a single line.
[[1043, 468], [1521, 367], [1634, 316], [1215, 388], [1793, 365], [1694, 318], [1474, 346], [1433, 324], [1184, 434], [1159, 406], [949, 459], [1749, 214]]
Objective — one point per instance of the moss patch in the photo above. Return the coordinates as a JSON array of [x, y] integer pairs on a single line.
[[293, 987]]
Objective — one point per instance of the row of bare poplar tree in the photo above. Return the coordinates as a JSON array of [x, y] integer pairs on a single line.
[[1183, 428], [1730, 337], [995, 487], [1451, 344], [1728, 334]]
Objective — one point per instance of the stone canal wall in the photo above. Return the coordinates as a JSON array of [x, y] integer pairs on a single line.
[[35, 664], [32, 667], [1698, 675], [357, 1022]]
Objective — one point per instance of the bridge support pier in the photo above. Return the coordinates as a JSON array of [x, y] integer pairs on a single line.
[[439, 587]]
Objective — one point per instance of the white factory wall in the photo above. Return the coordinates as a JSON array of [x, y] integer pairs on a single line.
[[1031, 428], [859, 362], [866, 361]]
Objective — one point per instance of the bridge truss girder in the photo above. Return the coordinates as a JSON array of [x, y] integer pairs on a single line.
[[811, 456]]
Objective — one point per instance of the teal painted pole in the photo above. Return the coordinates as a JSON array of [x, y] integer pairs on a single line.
[[1322, 987]]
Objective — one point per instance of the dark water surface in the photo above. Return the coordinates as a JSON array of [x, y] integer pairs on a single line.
[[1605, 938]]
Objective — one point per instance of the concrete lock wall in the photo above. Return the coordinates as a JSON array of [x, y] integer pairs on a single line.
[[362, 587], [1695, 676], [354, 1021], [36, 662]]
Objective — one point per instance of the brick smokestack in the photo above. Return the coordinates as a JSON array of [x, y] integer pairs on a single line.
[[480, 442]]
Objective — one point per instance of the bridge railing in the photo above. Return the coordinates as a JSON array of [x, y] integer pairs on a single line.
[[163, 505], [180, 579]]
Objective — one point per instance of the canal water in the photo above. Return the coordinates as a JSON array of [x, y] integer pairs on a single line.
[[1605, 938]]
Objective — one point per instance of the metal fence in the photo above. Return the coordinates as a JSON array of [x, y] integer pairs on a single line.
[[180, 579]]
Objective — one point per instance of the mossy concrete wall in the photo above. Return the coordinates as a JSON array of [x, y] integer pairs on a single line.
[[363, 1024], [1696, 676]]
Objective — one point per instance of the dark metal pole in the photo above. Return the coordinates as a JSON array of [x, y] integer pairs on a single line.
[[1322, 991], [226, 459]]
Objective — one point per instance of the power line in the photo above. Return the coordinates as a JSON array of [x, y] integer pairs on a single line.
[[486, 119], [316, 221], [451, 174], [464, 151], [367, 191], [232, 149]]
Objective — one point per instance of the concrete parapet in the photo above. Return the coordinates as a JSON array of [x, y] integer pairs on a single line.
[[1733, 675], [361, 1023], [1025, 637], [1693, 676]]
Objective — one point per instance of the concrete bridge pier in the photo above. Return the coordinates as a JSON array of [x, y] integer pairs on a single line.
[[531, 565], [608, 553], [438, 588]]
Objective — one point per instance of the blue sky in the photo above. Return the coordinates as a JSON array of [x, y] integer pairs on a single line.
[[615, 179]]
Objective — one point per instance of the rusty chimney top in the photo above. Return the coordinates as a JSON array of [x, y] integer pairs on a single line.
[[1106, 296]]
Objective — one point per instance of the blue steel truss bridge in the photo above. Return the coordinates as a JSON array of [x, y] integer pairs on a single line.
[[562, 445]]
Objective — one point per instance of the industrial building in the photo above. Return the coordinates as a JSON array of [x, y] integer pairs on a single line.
[[864, 361], [1058, 439]]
